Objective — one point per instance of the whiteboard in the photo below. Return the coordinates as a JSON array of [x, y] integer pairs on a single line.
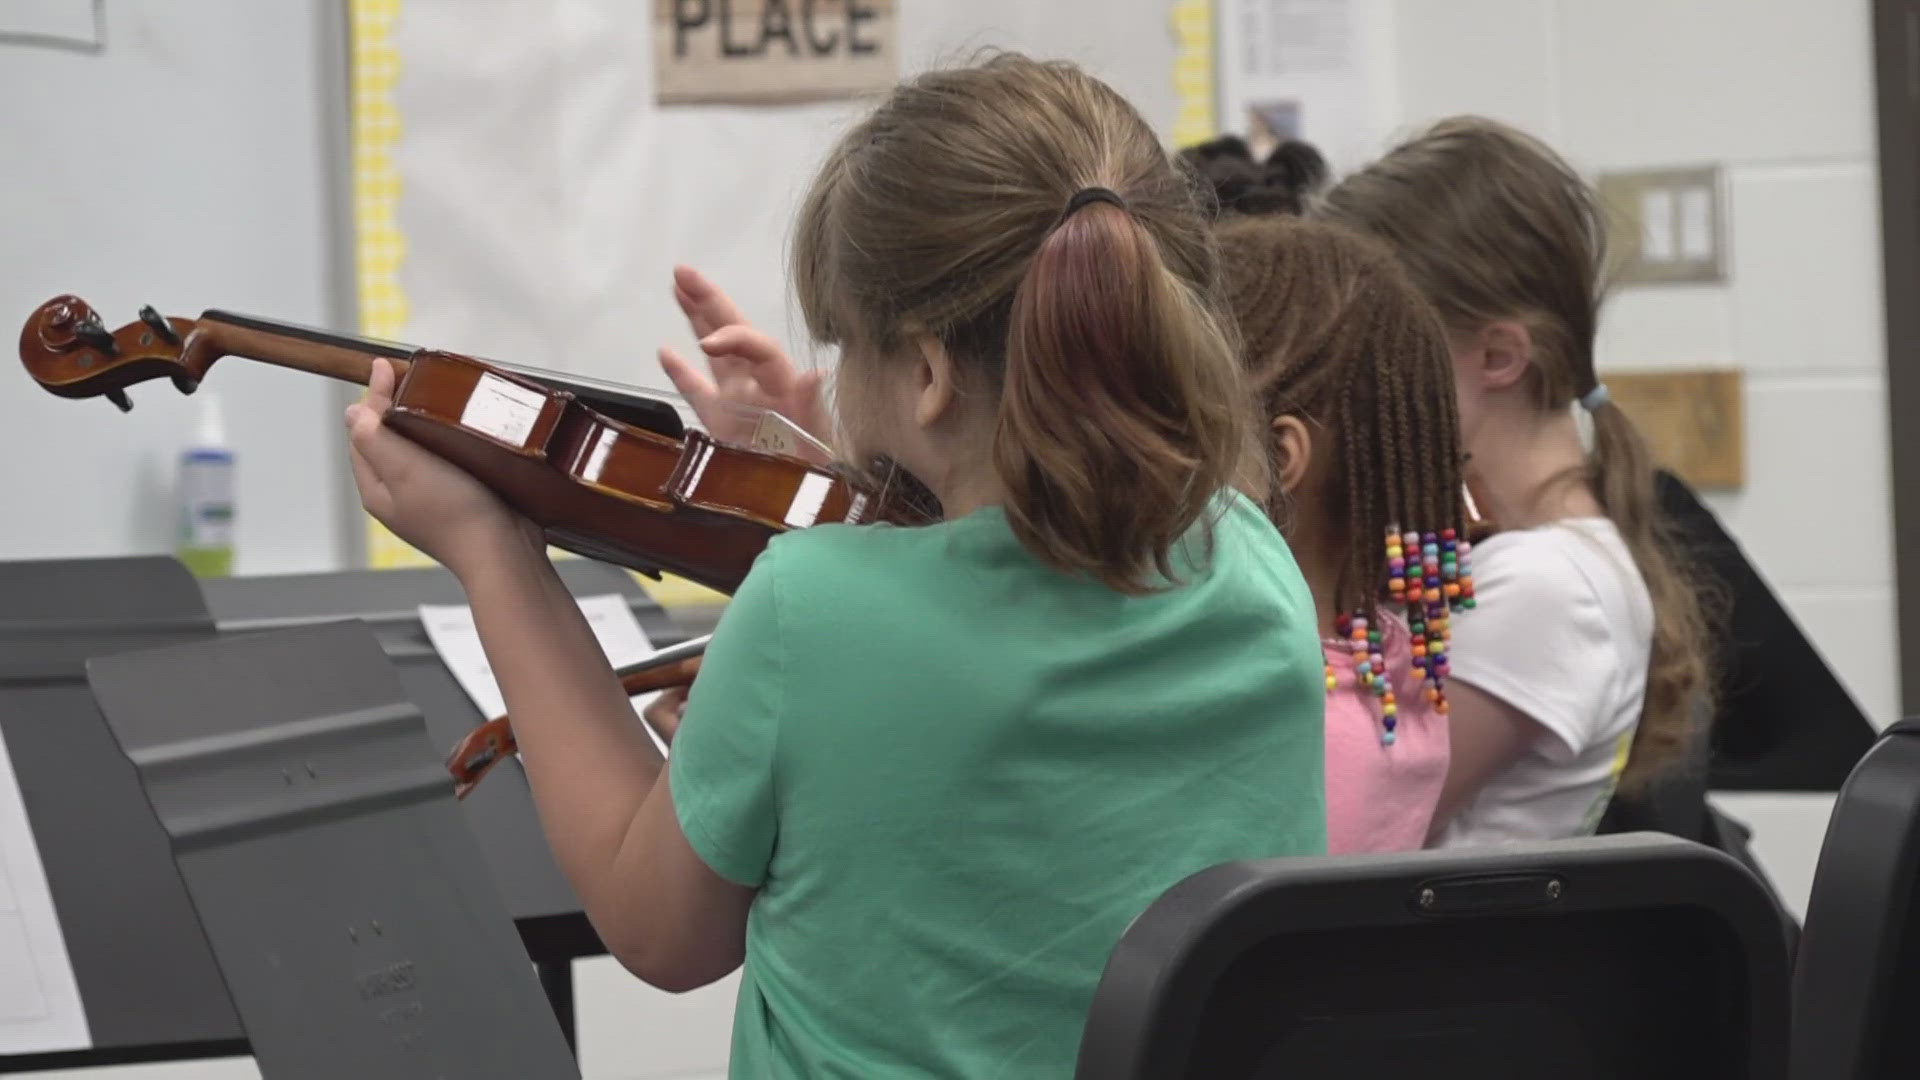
[[544, 200]]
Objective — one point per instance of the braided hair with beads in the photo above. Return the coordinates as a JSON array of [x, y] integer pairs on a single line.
[[1334, 331]]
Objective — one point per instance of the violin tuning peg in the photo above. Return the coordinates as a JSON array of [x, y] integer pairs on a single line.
[[161, 328], [92, 333], [119, 398], [185, 385]]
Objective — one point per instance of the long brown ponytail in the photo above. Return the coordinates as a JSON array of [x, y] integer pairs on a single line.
[[1120, 410], [1493, 225]]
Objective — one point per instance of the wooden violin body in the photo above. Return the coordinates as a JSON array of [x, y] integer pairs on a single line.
[[691, 506], [606, 472]]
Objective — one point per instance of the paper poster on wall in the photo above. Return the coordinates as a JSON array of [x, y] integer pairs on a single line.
[[1271, 123], [767, 51], [1317, 70], [1284, 38]]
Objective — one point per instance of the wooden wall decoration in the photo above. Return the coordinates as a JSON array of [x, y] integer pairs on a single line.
[[1693, 421]]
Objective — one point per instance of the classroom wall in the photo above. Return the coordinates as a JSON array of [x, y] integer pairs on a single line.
[[1780, 95], [561, 256], [185, 168]]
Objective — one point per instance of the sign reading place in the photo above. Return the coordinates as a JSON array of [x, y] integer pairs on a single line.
[[765, 51]]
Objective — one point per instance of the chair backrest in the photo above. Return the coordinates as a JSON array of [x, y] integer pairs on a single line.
[[1635, 955], [1856, 983]]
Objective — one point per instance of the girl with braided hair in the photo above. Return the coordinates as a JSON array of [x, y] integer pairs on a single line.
[[1349, 364], [1591, 673]]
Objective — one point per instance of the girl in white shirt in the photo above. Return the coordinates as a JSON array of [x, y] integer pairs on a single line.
[[1585, 666]]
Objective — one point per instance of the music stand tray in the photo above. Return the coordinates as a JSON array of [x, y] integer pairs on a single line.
[[348, 905]]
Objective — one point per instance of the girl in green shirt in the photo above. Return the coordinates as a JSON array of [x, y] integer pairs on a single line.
[[928, 775]]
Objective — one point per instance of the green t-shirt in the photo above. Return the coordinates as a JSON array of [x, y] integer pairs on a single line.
[[955, 775]]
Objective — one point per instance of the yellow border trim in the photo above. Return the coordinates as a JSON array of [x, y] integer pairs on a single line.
[[1193, 75], [379, 246]]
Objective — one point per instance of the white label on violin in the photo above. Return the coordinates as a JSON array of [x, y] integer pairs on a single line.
[[503, 409], [805, 508]]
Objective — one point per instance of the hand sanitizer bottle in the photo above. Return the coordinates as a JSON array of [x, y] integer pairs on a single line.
[[206, 495]]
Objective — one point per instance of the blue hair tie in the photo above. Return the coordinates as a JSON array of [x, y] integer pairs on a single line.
[[1596, 397]]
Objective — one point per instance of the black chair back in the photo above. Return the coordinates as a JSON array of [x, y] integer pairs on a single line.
[[1641, 956], [1857, 978]]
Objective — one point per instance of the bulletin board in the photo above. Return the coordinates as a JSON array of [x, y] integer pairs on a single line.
[[520, 195]]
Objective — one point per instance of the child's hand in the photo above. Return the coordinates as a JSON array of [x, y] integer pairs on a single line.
[[425, 499], [747, 367], [664, 712]]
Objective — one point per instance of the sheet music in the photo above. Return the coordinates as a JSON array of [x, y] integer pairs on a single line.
[[451, 629], [40, 1009]]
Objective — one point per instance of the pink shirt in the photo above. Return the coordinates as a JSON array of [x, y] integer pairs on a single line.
[[1381, 798]]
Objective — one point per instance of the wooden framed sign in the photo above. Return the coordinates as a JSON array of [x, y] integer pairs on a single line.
[[770, 51], [1693, 421]]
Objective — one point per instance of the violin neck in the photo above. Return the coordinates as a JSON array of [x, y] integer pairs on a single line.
[[342, 356], [350, 359], [301, 348]]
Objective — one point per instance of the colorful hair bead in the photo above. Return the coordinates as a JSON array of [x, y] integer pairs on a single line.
[[1429, 575]]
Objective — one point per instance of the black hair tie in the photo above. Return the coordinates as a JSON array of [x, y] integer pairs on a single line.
[[1090, 195]]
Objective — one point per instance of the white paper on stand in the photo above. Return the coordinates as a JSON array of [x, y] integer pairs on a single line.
[[40, 1008], [451, 629]]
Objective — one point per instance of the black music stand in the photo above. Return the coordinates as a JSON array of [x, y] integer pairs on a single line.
[[501, 811], [314, 826], [147, 981], [1785, 721]]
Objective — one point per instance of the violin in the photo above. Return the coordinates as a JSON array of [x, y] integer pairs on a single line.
[[491, 742], [607, 472]]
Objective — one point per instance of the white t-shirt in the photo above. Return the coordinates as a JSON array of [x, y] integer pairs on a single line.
[[1562, 632]]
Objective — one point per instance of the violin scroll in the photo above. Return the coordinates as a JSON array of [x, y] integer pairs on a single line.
[[69, 351]]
